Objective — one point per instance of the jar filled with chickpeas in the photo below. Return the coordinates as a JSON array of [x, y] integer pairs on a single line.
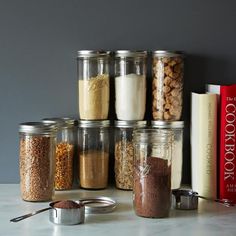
[[65, 149], [124, 152], [167, 85]]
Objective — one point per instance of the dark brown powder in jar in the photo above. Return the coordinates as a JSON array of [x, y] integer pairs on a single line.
[[152, 187], [67, 204]]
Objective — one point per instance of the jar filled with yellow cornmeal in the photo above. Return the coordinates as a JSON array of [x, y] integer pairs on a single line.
[[93, 154], [93, 84]]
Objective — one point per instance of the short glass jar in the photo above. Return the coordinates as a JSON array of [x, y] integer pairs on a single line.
[[177, 148], [130, 84], [124, 152], [93, 154], [37, 161], [93, 84], [167, 85], [152, 172], [65, 149]]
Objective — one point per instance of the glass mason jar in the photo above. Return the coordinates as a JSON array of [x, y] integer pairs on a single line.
[[93, 154], [65, 150], [37, 161], [152, 172], [177, 148], [167, 85], [130, 84], [124, 152], [93, 84]]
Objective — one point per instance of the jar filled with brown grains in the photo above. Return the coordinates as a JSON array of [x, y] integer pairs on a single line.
[[37, 161], [93, 154], [167, 85], [124, 152], [152, 172], [93, 84], [65, 149]]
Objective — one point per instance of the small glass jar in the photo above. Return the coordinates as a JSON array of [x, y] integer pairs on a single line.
[[177, 148], [152, 172], [37, 161], [124, 152], [93, 154], [130, 84], [93, 84], [167, 85], [65, 150]]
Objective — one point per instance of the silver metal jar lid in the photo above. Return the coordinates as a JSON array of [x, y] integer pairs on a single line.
[[93, 123], [92, 53], [130, 124], [167, 124], [64, 122], [37, 128], [99, 205], [166, 53], [128, 53]]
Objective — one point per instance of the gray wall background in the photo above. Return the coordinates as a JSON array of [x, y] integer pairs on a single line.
[[39, 40]]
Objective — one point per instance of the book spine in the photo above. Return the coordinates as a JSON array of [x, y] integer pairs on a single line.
[[203, 144], [227, 143]]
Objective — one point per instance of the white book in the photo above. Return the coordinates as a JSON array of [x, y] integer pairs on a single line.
[[204, 144]]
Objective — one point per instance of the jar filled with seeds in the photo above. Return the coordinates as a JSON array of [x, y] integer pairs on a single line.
[[124, 152], [167, 85], [93, 84], [177, 148], [93, 154], [65, 149], [37, 161]]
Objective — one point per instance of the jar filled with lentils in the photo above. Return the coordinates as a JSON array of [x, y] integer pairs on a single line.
[[65, 149], [167, 85], [37, 161], [124, 152]]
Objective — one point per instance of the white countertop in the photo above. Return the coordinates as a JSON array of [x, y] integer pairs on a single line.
[[210, 219]]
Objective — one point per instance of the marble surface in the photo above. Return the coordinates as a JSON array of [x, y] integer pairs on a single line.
[[211, 219]]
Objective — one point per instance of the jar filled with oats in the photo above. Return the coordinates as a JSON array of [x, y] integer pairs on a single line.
[[124, 152], [93, 154], [65, 149], [37, 161], [93, 84], [167, 85]]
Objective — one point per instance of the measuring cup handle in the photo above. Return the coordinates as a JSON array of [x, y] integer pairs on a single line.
[[19, 218]]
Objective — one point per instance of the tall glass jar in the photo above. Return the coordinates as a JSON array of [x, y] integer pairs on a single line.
[[152, 172], [65, 149], [167, 85], [93, 154], [124, 152], [130, 84], [37, 161], [93, 84], [177, 148]]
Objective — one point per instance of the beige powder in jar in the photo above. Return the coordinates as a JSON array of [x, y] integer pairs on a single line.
[[93, 166], [94, 98]]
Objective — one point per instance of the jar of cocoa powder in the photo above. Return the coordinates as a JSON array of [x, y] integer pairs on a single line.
[[167, 85], [93, 84], [124, 152], [65, 150], [93, 154], [37, 161], [152, 172]]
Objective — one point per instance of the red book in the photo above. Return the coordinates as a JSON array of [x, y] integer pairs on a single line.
[[227, 160]]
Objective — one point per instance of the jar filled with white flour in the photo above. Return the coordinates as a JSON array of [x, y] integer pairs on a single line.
[[130, 84]]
